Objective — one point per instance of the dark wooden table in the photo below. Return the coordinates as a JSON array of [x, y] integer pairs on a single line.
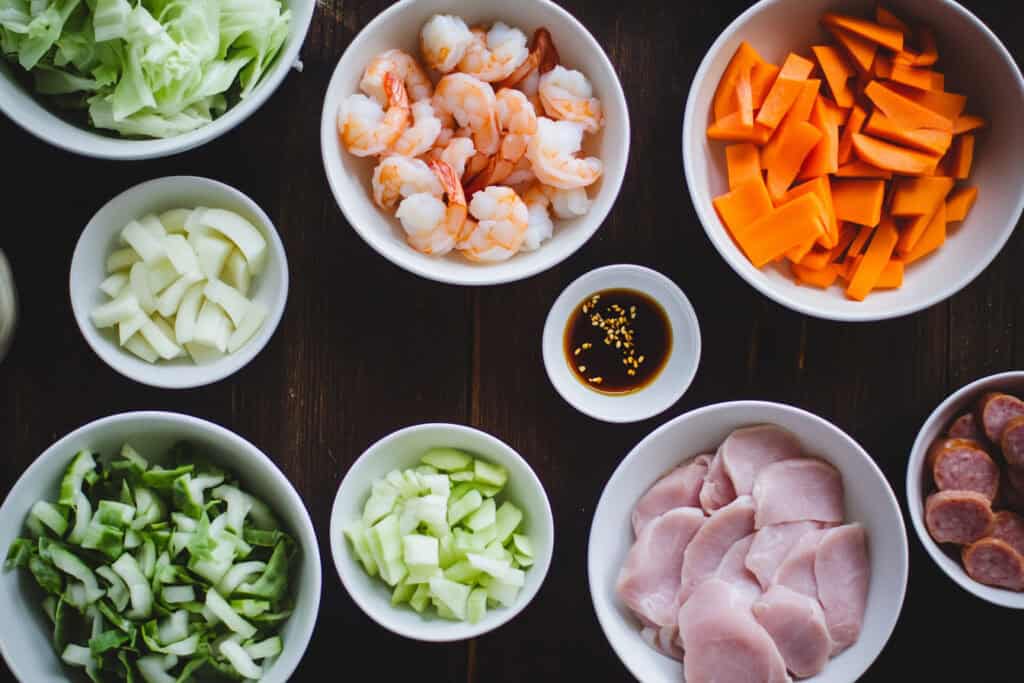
[[365, 348]]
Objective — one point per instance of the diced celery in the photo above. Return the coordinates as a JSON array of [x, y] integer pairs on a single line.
[[476, 605], [461, 476], [496, 551], [483, 517], [386, 542], [522, 545], [356, 534], [464, 506], [420, 550], [490, 474], [485, 490], [402, 593], [523, 561], [508, 519], [451, 594], [378, 507], [462, 572], [447, 459], [420, 598], [51, 516], [422, 574], [499, 569], [437, 484], [447, 555], [443, 611], [502, 593]]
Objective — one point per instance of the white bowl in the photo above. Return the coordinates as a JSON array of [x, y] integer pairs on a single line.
[[28, 649], [869, 500], [673, 380], [349, 177], [960, 402], [401, 450], [968, 49], [100, 237], [39, 119]]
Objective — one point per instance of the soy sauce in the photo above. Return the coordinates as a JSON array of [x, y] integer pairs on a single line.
[[617, 341]]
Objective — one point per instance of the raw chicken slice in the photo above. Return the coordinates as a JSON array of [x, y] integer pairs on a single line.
[[649, 580], [717, 491], [713, 541], [797, 571], [843, 573], [680, 488], [665, 640], [733, 570], [747, 451], [723, 641], [798, 489], [796, 624], [770, 547]]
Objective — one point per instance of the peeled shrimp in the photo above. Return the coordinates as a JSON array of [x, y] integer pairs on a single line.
[[431, 226], [397, 177], [522, 174], [518, 122], [422, 134], [553, 153], [568, 203], [495, 54], [457, 153], [568, 96], [539, 226], [543, 58], [365, 128], [502, 220], [473, 104], [405, 67], [444, 41]]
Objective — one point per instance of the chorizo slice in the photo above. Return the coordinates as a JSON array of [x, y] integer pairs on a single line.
[[995, 411], [960, 517], [994, 563], [963, 465], [965, 427], [1008, 527], [1013, 442]]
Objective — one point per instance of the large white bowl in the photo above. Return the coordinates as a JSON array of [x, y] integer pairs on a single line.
[[918, 480], [402, 450], [28, 649], [100, 237], [869, 500], [39, 119], [975, 63], [399, 27]]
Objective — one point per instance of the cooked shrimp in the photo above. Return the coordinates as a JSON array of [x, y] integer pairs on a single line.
[[518, 122], [457, 153], [493, 55], [422, 134], [404, 66], [431, 226], [522, 174], [444, 41], [553, 152], [502, 220], [365, 128], [568, 203], [539, 227], [542, 59], [568, 96], [473, 104], [397, 177]]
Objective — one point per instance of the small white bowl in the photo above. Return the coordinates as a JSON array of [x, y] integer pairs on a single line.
[[673, 380], [349, 177], [869, 500], [918, 481], [35, 116], [975, 63], [401, 450], [101, 236], [28, 649]]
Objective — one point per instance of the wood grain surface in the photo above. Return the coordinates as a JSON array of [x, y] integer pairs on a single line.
[[365, 348]]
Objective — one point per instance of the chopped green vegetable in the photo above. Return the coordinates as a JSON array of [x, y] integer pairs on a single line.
[[447, 459]]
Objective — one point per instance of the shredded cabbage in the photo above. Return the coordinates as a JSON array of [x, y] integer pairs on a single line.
[[155, 69]]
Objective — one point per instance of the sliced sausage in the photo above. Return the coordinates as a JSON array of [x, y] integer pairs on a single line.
[[1013, 442], [994, 563], [995, 411], [965, 427], [1012, 488], [1008, 527], [963, 465], [957, 516]]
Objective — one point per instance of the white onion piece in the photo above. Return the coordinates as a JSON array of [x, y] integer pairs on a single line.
[[236, 272], [252, 321], [181, 254], [240, 231], [122, 259], [141, 348], [203, 354], [127, 328], [138, 280], [174, 220], [161, 274], [185, 321], [212, 252], [161, 343], [152, 223], [228, 298], [213, 327], [143, 241], [170, 299], [168, 332], [114, 284], [125, 306]]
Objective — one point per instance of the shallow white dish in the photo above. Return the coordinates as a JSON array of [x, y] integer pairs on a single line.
[[673, 380], [100, 237], [869, 500], [28, 649], [349, 177], [959, 402], [33, 115], [401, 450], [975, 63]]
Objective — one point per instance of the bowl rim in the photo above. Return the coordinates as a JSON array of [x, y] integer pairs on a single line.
[[753, 408], [238, 445], [423, 633], [689, 316], [165, 376], [915, 492], [716, 233], [96, 145], [613, 184]]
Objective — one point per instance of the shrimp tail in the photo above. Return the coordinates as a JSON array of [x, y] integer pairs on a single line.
[[398, 96], [543, 57]]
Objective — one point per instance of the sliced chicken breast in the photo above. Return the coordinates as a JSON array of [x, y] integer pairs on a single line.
[[717, 491], [733, 569], [748, 450], [713, 540], [796, 623], [680, 488], [843, 572], [797, 570], [796, 490], [771, 545]]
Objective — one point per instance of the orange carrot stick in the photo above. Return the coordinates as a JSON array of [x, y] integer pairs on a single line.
[[877, 256]]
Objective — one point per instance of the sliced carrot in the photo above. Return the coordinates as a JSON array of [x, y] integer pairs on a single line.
[[785, 165], [883, 67], [743, 162], [877, 256], [724, 102], [799, 252], [893, 158], [745, 96], [966, 123], [823, 188], [862, 51], [959, 203], [823, 278], [858, 201], [853, 125], [929, 48], [731, 129], [780, 99], [762, 77], [824, 158], [933, 238], [912, 75], [838, 73], [833, 112], [904, 111], [740, 207], [923, 139], [798, 113], [816, 259], [862, 169], [796, 67], [912, 231], [962, 156], [885, 17], [857, 245], [948, 105], [938, 81], [847, 233], [788, 226], [891, 276], [883, 35], [919, 196]]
